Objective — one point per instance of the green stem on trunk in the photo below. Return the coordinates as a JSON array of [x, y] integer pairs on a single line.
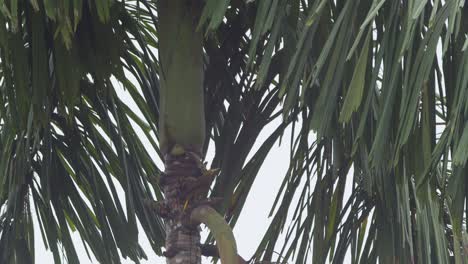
[[221, 231], [182, 117]]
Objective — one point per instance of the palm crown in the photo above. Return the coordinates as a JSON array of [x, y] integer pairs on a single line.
[[375, 92]]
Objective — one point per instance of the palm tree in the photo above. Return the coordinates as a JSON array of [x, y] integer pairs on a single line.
[[374, 92]]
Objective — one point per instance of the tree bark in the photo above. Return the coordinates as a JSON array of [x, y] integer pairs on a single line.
[[185, 184], [182, 236]]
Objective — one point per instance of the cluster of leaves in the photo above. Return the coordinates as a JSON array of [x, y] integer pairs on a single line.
[[66, 138], [384, 85], [381, 85]]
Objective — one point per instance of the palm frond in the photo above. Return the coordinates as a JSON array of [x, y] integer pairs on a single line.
[[376, 82], [68, 140]]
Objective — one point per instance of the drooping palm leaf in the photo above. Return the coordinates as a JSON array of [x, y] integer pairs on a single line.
[[67, 139], [384, 86]]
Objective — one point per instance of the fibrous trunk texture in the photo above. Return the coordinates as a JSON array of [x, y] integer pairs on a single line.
[[182, 237], [185, 183]]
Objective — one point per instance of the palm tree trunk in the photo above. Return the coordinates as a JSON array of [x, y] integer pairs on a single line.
[[181, 124], [186, 181]]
